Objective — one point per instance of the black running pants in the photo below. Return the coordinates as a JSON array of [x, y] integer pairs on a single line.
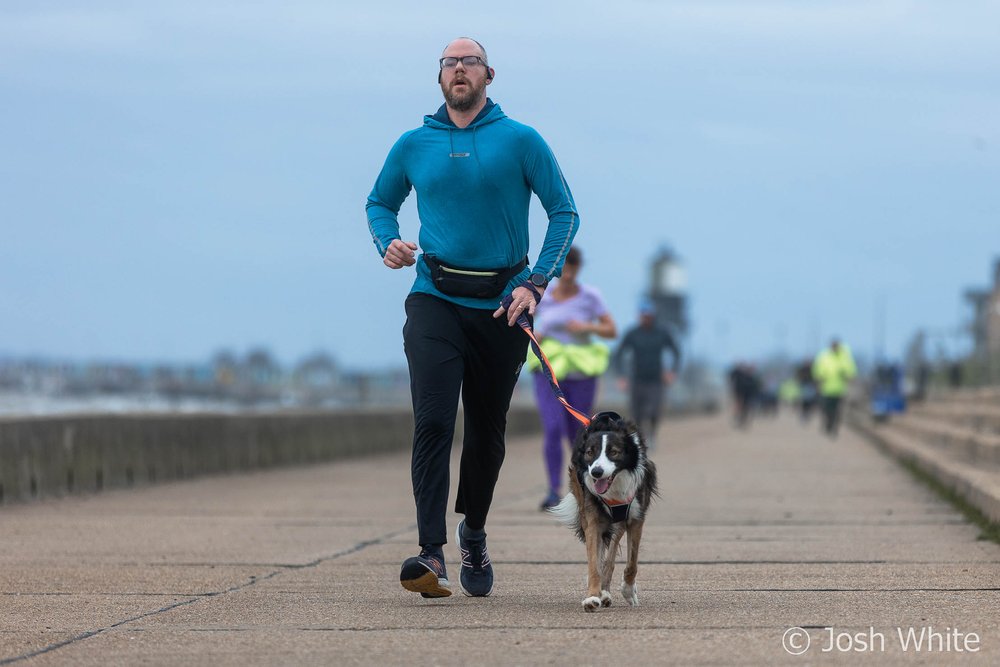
[[452, 349]]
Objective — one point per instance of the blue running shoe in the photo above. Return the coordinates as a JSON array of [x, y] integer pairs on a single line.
[[426, 574], [477, 572]]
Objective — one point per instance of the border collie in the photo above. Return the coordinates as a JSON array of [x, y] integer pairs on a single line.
[[611, 484]]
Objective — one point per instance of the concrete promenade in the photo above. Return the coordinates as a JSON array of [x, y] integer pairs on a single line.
[[756, 532]]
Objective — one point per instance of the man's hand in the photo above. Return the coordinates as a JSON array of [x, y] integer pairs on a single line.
[[523, 301], [575, 326], [669, 377], [399, 254]]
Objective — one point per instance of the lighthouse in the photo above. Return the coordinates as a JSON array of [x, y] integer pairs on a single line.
[[668, 291]]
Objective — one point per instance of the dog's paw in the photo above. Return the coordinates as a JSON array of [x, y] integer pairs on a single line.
[[593, 603], [631, 594], [605, 599]]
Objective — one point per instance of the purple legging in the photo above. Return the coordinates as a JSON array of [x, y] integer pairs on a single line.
[[557, 423]]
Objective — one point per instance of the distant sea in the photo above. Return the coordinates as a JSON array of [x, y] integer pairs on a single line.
[[27, 405]]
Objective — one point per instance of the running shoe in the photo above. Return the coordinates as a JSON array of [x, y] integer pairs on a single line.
[[477, 573], [426, 574]]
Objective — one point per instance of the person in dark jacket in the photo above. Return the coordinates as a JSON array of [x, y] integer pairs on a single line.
[[745, 385], [638, 360]]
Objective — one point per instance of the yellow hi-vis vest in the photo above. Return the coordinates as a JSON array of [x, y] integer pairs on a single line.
[[833, 371], [590, 360]]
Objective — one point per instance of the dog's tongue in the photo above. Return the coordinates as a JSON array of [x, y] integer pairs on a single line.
[[601, 485]]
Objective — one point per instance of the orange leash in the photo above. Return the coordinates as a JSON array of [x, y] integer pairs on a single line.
[[522, 322]]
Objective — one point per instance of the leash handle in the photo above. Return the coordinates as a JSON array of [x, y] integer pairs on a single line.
[[522, 321]]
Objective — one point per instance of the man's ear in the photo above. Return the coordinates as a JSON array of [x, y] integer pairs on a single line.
[[490, 73]]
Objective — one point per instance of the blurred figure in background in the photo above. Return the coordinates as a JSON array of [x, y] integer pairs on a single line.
[[808, 395], [789, 392], [566, 319], [639, 364], [833, 370], [767, 396], [745, 387]]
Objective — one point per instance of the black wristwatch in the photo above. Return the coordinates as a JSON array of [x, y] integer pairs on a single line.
[[538, 280]]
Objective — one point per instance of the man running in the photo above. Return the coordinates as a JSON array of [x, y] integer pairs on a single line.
[[474, 170]]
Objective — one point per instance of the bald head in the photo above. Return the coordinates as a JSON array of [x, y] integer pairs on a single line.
[[462, 45]]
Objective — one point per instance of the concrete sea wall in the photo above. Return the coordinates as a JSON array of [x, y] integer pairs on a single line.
[[48, 457]]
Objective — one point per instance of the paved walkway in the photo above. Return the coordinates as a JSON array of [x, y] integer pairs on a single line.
[[756, 532]]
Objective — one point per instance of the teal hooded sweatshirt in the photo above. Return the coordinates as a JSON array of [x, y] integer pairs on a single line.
[[473, 188]]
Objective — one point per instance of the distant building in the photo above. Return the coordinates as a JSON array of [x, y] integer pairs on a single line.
[[985, 325], [984, 330], [668, 291]]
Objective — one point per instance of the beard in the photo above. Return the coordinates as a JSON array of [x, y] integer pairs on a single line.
[[464, 101]]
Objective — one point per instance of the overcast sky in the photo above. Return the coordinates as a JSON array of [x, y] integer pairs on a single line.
[[181, 177]]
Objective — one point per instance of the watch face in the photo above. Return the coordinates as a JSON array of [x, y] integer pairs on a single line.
[[537, 279]]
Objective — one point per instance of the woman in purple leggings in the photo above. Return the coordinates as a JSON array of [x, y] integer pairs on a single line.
[[568, 317]]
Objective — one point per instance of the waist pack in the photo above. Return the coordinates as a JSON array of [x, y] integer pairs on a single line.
[[474, 283]]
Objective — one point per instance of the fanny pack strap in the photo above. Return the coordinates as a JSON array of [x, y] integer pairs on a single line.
[[502, 274]]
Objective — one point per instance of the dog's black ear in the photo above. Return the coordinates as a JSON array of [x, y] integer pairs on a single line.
[[632, 433]]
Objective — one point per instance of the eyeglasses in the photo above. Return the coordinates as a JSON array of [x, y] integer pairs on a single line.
[[468, 61]]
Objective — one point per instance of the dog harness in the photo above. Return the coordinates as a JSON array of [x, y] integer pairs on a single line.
[[618, 508]]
